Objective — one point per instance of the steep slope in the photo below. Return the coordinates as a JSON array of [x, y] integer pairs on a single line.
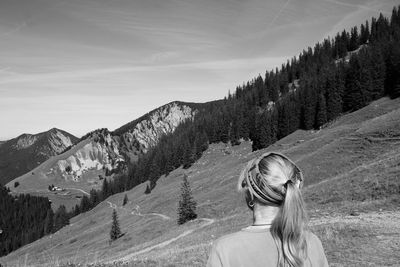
[[352, 191], [22, 154]]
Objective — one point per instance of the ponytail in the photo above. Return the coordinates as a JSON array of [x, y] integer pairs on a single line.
[[288, 228]]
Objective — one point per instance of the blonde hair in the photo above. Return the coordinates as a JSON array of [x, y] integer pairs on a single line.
[[273, 179]]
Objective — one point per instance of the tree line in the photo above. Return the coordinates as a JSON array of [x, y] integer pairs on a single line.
[[26, 218]]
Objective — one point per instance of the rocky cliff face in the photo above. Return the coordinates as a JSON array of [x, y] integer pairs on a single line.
[[110, 151], [99, 152], [24, 153], [143, 134]]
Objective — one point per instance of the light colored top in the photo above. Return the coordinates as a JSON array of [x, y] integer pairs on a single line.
[[254, 246]]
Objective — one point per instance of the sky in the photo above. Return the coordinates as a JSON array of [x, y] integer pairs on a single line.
[[79, 65]]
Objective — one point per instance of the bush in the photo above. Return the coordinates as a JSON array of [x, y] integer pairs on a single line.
[[16, 184], [125, 200], [148, 190], [68, 169]]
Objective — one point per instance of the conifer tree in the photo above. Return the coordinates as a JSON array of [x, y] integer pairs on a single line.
[[187, 205], [355, 95], [321, 111], [105, 189], [125, 201], [148, 190], [115, 232], [334, 91], [61, 218], [49, 222]]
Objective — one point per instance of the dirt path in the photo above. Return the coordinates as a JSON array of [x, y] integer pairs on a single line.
[[82, 191], [136, 211], [169, 241]]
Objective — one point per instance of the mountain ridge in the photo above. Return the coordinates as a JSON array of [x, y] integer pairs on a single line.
[[26, 151]]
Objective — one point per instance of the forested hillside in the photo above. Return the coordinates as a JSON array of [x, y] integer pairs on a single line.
[[339, 75], [26, 218]]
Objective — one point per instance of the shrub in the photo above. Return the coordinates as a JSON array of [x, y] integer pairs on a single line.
[[68, 169], [125, 200]]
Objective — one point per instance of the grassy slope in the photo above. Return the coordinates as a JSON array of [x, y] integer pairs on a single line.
[[352, 190], [36, 182]]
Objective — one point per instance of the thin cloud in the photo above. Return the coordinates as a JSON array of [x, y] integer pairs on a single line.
[[358, 6], [14, 30], [279, 13]]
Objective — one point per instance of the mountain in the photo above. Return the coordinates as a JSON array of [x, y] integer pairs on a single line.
[[22, 154], [139, 135], [100, 154], [351, 190]]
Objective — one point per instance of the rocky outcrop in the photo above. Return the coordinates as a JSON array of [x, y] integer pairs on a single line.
[[99, 152], [164, 120]]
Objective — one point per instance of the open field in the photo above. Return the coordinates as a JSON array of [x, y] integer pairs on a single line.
[[352, 189]]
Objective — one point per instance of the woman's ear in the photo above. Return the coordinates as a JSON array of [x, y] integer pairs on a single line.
[[249, 199]]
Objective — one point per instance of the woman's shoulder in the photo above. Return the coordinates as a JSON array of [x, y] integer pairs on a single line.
[[314, 243], [313, 238], [228, 238], [243, 235], [316, 251]]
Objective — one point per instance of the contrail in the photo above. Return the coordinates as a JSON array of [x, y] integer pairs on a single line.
[[279, 13], [359, 6]]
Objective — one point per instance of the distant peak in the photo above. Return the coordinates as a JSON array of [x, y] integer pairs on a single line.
[[54, 129]]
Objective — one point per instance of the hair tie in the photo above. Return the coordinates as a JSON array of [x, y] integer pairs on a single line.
[[288, 182]]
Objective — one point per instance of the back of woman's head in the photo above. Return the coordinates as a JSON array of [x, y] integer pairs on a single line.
[[275, 180]]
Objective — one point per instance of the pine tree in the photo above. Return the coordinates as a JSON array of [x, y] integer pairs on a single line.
[[61, 218], [148, 190], [105, 189], [125, 201], [187, 206], [308, 105], [355, 96], [49, 222], [115, 232], [321, 118]]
